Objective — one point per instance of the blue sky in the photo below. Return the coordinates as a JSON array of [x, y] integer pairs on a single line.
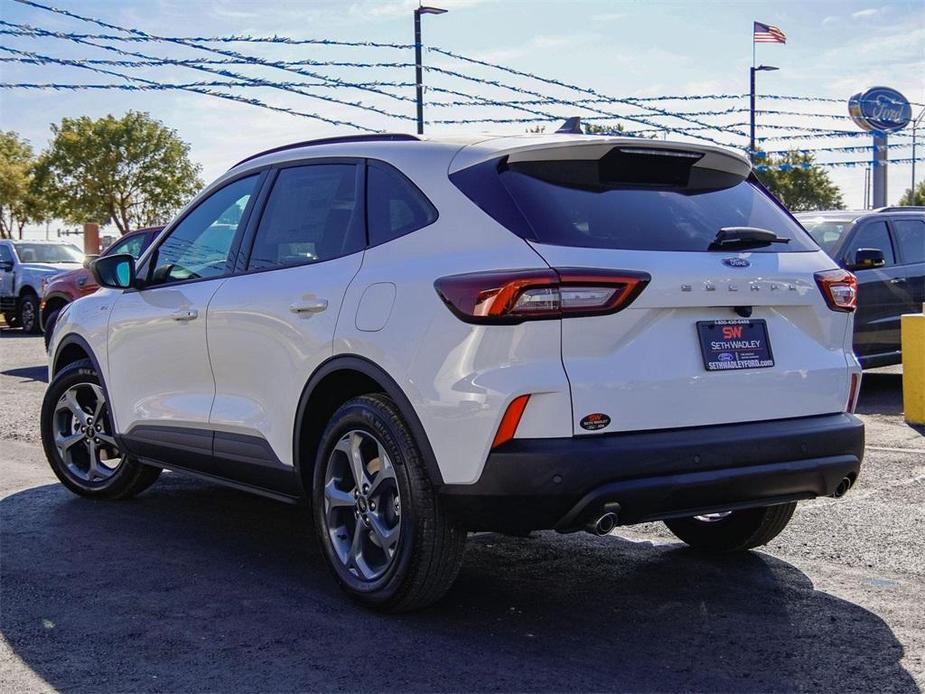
[[620, 49]]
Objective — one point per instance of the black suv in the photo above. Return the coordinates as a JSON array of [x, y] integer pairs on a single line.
[[885, 248]]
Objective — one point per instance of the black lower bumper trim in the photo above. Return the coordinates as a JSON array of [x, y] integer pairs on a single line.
[[563, 483]]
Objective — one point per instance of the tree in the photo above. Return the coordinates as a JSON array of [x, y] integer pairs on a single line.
[[801, 185], [914, 198], [132, 171], [22, 198]]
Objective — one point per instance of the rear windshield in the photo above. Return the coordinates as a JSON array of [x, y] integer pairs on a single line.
[[828, 233], [559, 206]]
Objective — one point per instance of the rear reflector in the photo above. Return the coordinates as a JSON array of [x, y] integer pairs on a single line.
[[853, 392], [840, 289], [510, 420], [513, 296]]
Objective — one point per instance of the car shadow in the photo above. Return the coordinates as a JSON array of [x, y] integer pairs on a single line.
[[881, 393], [38, 374], [193, 587], [6, 332]]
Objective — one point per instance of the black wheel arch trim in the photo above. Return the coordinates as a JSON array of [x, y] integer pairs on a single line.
[[353, 362], [53, 297]]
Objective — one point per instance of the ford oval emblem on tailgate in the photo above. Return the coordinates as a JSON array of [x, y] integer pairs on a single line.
[[736, 262]]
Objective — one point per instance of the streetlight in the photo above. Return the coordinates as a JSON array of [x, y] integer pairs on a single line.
[[915, 125], [751, 132], [418, 68]]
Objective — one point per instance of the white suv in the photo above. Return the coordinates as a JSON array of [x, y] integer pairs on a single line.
[[429, 337]]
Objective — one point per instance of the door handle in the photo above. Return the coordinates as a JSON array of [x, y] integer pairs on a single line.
[[314, 306], [185, 315], [898, 280]]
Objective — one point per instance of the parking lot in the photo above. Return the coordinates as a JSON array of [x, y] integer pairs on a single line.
[[195, 587]]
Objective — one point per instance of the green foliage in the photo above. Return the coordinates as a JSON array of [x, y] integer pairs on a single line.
[[801, 189], [595, 129], [22, 196], [132, 171], [916, 197]]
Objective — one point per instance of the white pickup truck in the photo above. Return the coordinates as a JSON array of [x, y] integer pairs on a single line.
[[25, 266]]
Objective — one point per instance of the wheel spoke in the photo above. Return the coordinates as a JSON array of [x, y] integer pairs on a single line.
[[64, 442], [108, 440], [355, 555], [69, 402], [100, 402], [95, 469], [337, 498], [383, 535], [386, 472], [350, 445]]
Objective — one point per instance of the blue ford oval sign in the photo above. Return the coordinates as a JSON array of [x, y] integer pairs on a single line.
[[881, 109]]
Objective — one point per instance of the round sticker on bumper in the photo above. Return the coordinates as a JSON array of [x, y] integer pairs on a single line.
[[595, 421]]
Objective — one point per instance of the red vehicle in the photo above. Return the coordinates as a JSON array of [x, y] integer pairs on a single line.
[[71, 285]]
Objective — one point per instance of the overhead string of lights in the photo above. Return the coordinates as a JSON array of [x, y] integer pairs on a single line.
[[647, 116]]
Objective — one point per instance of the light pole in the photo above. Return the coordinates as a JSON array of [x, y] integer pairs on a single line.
[[418, 67], [915, 125], [751, 129]]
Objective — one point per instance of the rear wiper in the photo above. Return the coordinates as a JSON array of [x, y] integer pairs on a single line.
[[744, 237]]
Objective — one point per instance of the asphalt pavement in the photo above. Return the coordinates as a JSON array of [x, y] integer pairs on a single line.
[[195, 587]]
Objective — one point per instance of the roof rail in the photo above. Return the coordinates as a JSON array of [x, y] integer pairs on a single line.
[[379, 137], [901, 208]]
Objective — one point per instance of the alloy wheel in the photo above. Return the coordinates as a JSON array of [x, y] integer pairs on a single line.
[[362, 506], [27, 315], [82, 436]]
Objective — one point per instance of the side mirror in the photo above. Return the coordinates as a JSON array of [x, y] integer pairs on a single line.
[[866, 258], [89, 259], [6, 265], [114, 271]]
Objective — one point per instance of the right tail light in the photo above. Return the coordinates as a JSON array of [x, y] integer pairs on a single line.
[[514, 296], [840, 289]]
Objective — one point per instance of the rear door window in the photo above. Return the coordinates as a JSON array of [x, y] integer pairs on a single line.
[[313, 214], [872, 235], [909, 235]]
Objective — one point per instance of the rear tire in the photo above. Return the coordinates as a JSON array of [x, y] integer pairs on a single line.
[[736, 532], [385, 536], [89, 464], [29, 314]]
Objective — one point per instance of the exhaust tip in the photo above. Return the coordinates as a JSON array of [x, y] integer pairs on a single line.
[[603, 525], [842, 488]]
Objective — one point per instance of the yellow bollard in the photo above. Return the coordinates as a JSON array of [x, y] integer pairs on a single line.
[[913, 345]]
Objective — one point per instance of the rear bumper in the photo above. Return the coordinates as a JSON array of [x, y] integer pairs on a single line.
[[563, 483]]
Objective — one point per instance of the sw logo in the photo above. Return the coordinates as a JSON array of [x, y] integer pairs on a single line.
[[732, 332]]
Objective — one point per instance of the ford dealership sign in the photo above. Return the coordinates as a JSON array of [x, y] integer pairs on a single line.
[[881, 109]]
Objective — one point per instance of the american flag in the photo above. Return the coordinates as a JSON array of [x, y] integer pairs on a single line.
[[767, 33]]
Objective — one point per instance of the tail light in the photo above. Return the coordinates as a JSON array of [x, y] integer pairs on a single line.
[[840, 289], [514, 296]]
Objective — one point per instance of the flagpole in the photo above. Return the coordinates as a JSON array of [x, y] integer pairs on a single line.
[[751, 95]]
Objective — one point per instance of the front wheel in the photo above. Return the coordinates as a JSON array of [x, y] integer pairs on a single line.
[[29, 314], [385, 537], [79, 442], [733, 531]]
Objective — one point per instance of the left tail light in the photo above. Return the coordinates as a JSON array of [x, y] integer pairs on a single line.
[[514, 296], [840, 289]]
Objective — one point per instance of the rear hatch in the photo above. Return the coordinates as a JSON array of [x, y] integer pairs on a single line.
[[731, 327]]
